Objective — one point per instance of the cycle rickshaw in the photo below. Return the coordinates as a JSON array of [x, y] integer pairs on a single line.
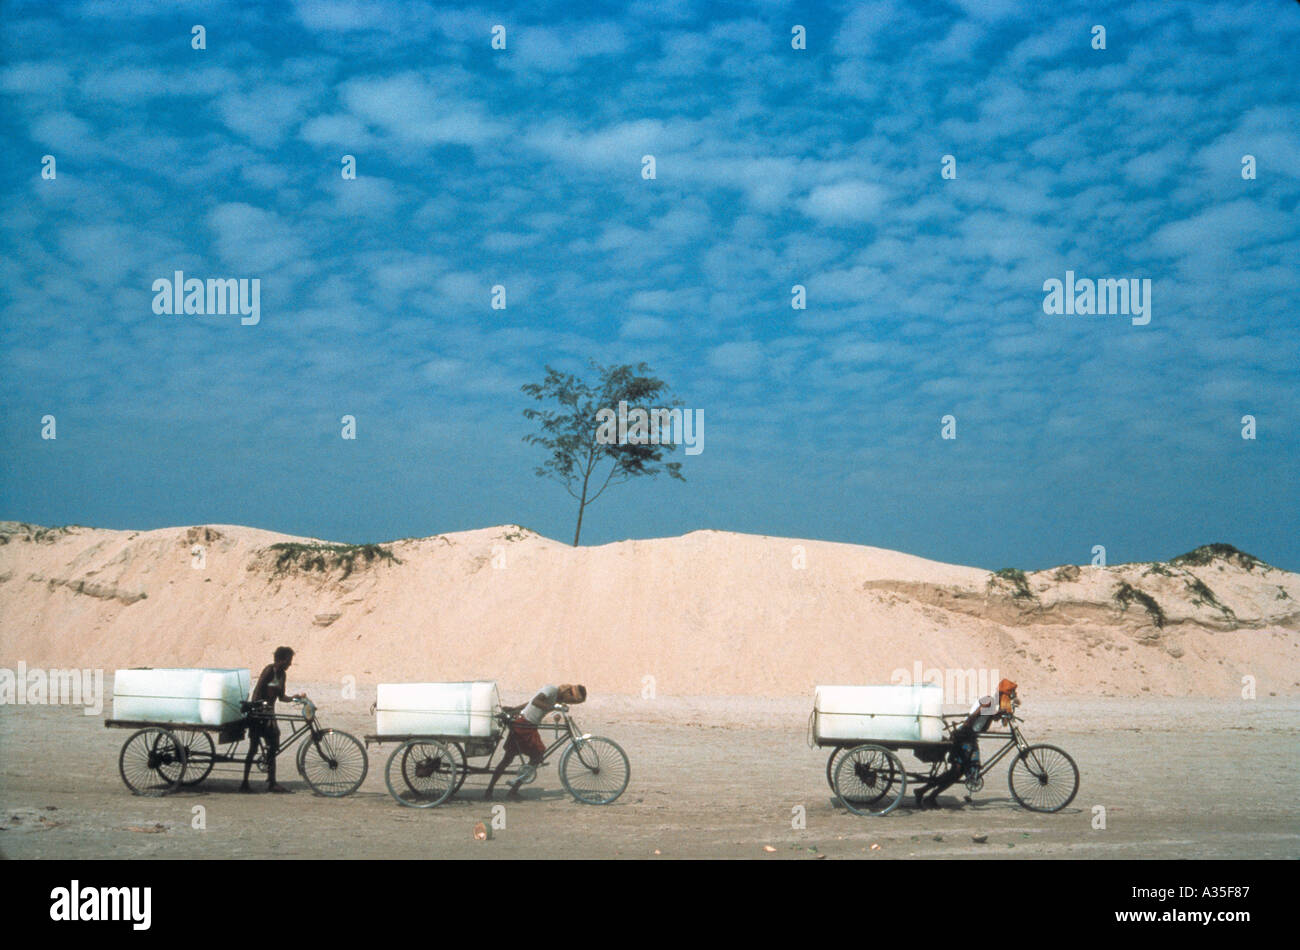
[[426, 770], [161, 757], [869, 778]]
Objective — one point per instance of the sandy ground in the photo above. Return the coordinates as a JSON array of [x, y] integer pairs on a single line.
[[718, 778]]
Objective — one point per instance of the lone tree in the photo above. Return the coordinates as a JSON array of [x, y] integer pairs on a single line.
[[577, 434]]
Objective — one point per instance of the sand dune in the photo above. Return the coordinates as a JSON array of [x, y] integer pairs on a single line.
[[707, 613]]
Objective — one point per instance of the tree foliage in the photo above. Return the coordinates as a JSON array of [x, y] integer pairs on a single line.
[[585, 466]]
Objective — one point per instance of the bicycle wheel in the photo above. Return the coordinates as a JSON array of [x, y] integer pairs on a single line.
[[594, 770], [428, 773], [1043, 778], [869, 780], [199, 754], [152, 762], [334, 766]]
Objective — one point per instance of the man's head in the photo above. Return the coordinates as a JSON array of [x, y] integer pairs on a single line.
[[572, 693], [283, 657], [1007, 699]]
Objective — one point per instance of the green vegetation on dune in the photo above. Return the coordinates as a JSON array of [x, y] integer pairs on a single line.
[[1206, 553], [1202, 596], [35, 533], [1017, 579], [1127, 594], [328, 557]]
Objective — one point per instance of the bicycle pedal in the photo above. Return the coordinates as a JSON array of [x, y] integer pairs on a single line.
[[526, 775]]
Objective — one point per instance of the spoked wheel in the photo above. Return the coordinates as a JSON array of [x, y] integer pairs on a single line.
[[1043, 778], [595, 770], [152, 762], [420, 764], [870, 780], [199, 755], [335, 766], [423, 773], [831, 763]]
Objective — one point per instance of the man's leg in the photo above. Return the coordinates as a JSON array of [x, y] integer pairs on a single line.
[[502, 766], [924, 787], [935, 777], [499, 770], [941, 784], [272, 748], [959, 758], [253, 737], [535, 747], [528, 744]]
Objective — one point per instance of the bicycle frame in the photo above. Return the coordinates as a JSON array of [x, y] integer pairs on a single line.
[[302, 725], [566, 731], [1016, 740]]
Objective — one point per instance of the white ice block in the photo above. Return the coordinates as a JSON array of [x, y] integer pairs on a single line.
[[209, 697], [438, 709], [894, 713]]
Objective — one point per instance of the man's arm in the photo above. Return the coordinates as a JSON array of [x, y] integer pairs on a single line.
[[284, 690]]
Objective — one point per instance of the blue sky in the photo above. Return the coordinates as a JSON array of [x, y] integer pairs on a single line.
[[522, 167]]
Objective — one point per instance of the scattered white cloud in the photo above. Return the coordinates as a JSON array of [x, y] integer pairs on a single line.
[[846, 202]]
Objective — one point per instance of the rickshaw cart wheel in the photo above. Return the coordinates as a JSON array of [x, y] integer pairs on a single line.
[[1043, 778], [456, 761], [831, 762], [152, 762], [335, 769], [199, 755], [427, 770], [869, 780]]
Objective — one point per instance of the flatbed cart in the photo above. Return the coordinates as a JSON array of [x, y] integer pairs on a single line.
[[868, 777], [426, 770], [161, 757]]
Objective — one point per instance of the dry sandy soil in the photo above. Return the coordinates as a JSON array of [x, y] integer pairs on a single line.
[[718, 777]]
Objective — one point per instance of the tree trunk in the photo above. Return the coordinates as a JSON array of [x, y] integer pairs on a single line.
[[582, 503]]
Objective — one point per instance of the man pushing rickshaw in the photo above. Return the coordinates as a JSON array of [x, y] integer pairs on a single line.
[[866, 727]]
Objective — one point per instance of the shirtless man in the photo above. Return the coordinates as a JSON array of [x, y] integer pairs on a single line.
[[271, 686], [524, 738]]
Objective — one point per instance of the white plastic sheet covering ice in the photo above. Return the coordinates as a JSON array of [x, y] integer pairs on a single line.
[[894, 713], [438, 709], [209, 697]]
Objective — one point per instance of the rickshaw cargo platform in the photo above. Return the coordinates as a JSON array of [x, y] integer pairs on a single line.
[[890, 713], [205, 697], [467, 710]]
